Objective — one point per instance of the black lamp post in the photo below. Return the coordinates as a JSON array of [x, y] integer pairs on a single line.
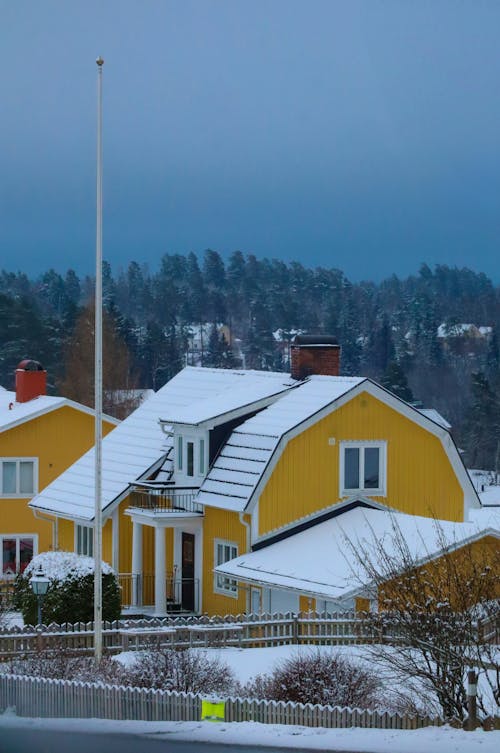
[[39, 583]]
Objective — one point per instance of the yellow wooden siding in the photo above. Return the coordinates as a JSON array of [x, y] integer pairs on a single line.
[[420, 479], [107, 541], [125, 537], [57, 439], [224, 525], [449, 572], [66, 531], [306, 604], [362, 604]]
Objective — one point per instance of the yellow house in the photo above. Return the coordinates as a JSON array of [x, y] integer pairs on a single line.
[[220, 467], [40, 437]]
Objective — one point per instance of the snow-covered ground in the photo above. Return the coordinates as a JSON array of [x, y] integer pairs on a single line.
[[428, 740], [246, 663]]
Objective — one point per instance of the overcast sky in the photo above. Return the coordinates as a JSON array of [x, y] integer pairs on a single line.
[[360, 135]]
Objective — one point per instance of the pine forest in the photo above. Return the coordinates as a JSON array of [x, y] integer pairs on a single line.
[[431, 338]]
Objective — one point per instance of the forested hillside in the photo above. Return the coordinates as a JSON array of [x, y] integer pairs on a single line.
[[407, 334]]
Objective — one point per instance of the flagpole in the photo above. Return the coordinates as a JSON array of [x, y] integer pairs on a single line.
[[98, 383]]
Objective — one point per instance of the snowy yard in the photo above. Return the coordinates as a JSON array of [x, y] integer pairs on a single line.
[[246, 664]]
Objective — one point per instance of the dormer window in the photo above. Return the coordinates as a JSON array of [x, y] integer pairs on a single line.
[[191, 461]]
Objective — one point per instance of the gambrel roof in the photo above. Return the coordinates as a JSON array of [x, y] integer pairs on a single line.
[[142, 443], [237, 471], [252, 451]]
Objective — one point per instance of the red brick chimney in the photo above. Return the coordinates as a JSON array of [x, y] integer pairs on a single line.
[[314, 354], [31, 381]]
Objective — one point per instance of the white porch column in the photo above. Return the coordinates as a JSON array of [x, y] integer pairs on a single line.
[[160, 572], [136, 563]]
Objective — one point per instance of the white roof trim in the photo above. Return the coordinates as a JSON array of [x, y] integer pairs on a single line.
[[61, 403], [336, 506]]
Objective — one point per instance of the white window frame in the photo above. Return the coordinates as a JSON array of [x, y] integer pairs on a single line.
[[381, 445], [17, 494], [200, 442], [222, 584], [89, 535], [18, 537]]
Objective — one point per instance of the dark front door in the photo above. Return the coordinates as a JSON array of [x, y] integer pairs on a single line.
[[188, 571]]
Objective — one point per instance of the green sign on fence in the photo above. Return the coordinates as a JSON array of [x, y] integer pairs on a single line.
[[212, 711]]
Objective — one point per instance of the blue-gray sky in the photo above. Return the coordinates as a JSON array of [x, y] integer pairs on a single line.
[[360, 135]]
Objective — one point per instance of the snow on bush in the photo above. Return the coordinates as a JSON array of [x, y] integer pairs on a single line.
[[328, 679], [70, 596]]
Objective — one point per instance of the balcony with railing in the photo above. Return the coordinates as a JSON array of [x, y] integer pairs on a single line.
[[165, 499]]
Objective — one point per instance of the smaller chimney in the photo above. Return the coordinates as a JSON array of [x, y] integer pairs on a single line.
[[31, 381], [315, 354]]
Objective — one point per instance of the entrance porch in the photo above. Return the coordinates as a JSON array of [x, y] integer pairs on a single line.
[[176, 587]]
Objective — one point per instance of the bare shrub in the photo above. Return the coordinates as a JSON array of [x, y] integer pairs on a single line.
[[324, 678], [60, 664], [438, 615], [184, 671]]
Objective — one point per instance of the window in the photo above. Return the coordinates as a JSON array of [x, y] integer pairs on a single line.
[[18, 477], [17, 553], [362, 467], [190, 458], [225, 551], [179, 453], [202, 457], [84, 540], [191, 455]]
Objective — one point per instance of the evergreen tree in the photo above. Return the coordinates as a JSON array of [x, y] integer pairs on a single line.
[[482, 426], [395, 380]]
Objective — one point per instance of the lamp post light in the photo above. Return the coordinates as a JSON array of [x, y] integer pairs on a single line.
[[39, 584]]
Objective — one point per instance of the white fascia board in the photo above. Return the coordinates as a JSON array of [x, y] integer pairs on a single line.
[[471, 498], [337, 506], [50, 408], [91, 412]]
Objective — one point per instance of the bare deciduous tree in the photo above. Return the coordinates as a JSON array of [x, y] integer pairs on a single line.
[[437, 615]]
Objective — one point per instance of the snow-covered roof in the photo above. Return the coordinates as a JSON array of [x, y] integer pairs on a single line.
[[238, 469], [490, 497], [459, 330], [13, 413], [235, 391], [138, 444], [435, 416], [319, 562]]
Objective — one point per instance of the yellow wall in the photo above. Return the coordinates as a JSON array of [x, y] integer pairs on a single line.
[[225, 525], [57, 439], [420, 479], [477, 564]]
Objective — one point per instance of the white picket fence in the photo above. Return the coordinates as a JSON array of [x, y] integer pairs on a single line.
[[40, 697], [242, 630]]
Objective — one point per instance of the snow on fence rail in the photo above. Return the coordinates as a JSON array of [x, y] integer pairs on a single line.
[[40, 697], [181, 632]]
